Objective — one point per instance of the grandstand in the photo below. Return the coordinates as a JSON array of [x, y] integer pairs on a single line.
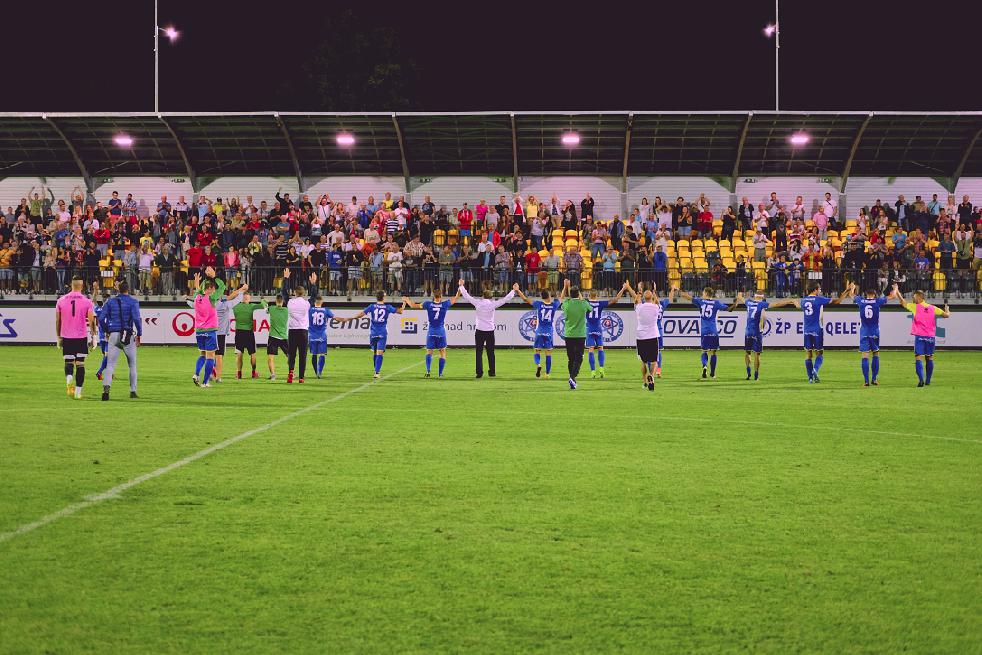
[[858, 162]]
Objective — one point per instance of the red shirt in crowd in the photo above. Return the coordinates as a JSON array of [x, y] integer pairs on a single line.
[[532, 261], [195, 255], [465, 218]]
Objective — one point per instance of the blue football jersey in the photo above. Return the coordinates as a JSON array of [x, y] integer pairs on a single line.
[[812, 307], [708, 309], [869, 312], [436, 313], [545, 314], [379, 313], [664, 305], [594, 318], [754, 310], [97, 310], [318, 323]]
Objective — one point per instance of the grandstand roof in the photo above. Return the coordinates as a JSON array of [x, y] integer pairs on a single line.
[[612, 143]]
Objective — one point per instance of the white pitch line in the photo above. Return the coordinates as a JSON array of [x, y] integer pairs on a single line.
[[109, 494]]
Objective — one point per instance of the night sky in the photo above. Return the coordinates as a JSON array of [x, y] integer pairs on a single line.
[[688, 55]]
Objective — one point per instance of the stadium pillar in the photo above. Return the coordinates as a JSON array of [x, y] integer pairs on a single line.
[[82, 168], [852, 153], [293, 153], [960, 168], [739, 151], [402, 154], [514, 154]]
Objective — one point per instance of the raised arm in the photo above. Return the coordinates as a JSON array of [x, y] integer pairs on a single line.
[[511, 294], [453, 301], [783, 303], [946, 312], [682, 294], [312, 286], [562, 292], [462, 291], [238, 292], [736, 302], [524, 297], [842, 296], [635, 297], [620, 294], [409, 303]]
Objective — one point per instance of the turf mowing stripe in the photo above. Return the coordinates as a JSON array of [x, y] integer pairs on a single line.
[[95, 499]]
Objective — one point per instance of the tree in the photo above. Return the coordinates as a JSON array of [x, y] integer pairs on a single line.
[[355, 66]]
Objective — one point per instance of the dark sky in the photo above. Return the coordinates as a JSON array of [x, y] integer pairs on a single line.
[[502, 55]]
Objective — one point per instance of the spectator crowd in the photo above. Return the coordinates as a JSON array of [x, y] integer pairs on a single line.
[[361, 245]]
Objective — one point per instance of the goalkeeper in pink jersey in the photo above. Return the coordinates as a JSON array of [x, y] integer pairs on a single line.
[[74, 323], [924, 327]]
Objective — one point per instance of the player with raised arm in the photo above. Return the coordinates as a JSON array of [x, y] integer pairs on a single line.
[[298, 323], [708, 327], [869, 305], [812, 308], [319, 317], [74, 322], [206, 324], [595, 331], [753, 336], [378, 313], [224, 309], [648, 312], [545, 316], [924, 327], [245, 332], [277, 342], [663, 303], [436, 333]]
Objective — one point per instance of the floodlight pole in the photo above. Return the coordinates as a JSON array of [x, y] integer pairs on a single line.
[[156, 60], [777, 56]]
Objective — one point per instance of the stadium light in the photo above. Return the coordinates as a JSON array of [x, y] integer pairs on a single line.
[[345, 140], [799, 139], [774, 30], [171, 33], [123, 140], [571, 139]]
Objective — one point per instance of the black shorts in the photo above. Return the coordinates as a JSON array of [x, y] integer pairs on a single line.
[[648, 350], [274, 346], [245, 342], [74, 348], [221, 345]]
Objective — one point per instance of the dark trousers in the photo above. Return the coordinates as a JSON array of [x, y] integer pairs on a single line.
[[484, 339], [574, 354], [297, 344]]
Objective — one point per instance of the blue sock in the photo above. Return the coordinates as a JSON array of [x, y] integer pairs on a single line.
[[537, 358], [593, 361], [919, 367], [876, 367], [429, 362], [443, 362], [818, 363], [321, 360], [712, 365], [748, 370], [102, 367], [209, 367], [602, 358], [756, 373], [705, 360], [548, 364], [809, 367], [378, 363], [930, 371], [199, 365], [866, 370]]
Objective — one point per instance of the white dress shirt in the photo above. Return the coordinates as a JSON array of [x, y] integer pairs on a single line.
[[485, 308]]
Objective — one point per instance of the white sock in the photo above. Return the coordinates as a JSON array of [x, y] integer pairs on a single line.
[[69, 378]]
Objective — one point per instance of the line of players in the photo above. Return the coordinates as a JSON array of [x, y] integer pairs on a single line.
[[296, 324]]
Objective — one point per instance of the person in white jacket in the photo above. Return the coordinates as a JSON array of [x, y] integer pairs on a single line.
[[484, 325]]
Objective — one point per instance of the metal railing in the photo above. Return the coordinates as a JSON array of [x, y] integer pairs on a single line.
[[367, 280]]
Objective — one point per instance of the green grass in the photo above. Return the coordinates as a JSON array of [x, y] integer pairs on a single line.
[[504, 515]]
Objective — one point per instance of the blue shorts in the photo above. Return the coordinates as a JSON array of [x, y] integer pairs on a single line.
[[753, 343], [207, 341], [378, 341], [594, 340], [318, 347], [869, 342], [465, 233], [923, 346], [542, 341], [710, 342], [436, 340], [815, 341]]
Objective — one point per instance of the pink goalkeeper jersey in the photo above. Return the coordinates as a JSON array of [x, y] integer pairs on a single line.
[[925, 323], [74, 308], [205, 314]]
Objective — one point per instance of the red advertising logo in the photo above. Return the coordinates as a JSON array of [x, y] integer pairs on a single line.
[[183, 324]]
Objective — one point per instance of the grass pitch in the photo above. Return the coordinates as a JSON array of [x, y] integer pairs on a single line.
[[504, 515]]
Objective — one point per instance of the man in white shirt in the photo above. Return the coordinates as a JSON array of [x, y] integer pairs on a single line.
[[648, 312], [831, 207], [484, 325]]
